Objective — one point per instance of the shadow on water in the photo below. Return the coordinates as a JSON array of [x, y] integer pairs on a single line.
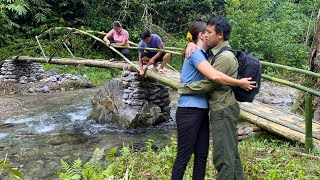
[[37, 135]]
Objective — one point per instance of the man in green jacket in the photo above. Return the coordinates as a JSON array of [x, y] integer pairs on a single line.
[[224, 109]]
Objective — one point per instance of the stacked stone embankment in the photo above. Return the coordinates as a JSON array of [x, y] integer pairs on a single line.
[[22, 72]]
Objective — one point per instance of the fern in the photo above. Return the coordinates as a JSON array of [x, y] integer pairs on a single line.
[[111, 154], [71, 172], [39, 17], [97, 156], [125, 151], [18, 7], [149, 146], [92, 169]]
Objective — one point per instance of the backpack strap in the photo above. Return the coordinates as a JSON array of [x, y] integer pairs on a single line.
[[225, 48]]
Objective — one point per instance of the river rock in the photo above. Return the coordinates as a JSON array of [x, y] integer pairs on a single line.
[[128, 108]]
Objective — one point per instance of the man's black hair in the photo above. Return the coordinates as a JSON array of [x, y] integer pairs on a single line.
[[221, 25], [144, 34]]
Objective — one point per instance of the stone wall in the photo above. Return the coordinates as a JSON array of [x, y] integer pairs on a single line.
[[131, 102], [22, 72], [138, 92]]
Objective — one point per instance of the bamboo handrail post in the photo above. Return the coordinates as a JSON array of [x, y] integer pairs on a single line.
[[88, 48], [41, 48], [68, 49], [56, 49], [308, 122]]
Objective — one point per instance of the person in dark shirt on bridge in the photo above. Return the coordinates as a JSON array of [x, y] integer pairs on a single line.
[[152, 57]]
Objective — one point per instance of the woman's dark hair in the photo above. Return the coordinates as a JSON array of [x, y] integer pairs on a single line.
[[221, 25], [144, 34], [116, 24], [195, 28]]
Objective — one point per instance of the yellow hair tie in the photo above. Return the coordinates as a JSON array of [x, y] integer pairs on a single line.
[[189, 37]]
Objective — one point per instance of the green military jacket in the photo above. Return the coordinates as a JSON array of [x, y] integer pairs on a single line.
[[220, 96]]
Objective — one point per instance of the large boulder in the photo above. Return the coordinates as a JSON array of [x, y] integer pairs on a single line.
[[131, 103]]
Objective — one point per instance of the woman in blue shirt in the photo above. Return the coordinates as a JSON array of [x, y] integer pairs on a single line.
[[192, 113]]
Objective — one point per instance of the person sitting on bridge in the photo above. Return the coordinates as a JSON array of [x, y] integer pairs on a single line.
[[149, 56], [120, 38]]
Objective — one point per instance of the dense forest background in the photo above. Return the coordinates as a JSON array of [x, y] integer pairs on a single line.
[[280, 31], [276, 31]]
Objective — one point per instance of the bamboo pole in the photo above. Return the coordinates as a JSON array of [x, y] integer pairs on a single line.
[[291, 84], [297, 86], [133, 43], [167, 63], [275, 120], [43, 54], [111, 47], [62, 40], [151, 49], [308, 123], [277, 128], [96, 38], [293, 69], [102, 64], [312, 157], [167, 49]]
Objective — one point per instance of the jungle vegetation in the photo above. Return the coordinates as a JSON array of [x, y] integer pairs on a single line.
[[275, 31], [278, 31]]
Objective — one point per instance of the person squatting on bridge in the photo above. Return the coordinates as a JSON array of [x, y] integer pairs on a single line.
[[120, 37], [192, 113], [149, 56]]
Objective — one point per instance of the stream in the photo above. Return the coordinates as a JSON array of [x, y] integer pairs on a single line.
[[39, 130]]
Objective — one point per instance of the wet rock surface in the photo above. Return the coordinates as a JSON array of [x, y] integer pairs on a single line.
[[277, 95], [130, 102]]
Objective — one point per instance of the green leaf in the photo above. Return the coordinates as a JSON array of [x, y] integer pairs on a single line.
[[17, 173]]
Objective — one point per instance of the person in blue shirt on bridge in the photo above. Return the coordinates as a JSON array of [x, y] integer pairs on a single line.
[[152, 57]]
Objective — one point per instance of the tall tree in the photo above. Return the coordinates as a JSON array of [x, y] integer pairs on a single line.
[[314, 64]]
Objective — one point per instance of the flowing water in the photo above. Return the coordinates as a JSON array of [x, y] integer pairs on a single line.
[[49, 127]]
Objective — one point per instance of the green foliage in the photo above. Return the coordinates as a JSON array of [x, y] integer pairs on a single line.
[[263, 156], [8, 172], [15, 8], [274, 31], [71, 172], [97, 76], [271, 157]]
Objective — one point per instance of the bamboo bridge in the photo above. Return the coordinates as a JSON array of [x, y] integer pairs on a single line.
[[291, 126]]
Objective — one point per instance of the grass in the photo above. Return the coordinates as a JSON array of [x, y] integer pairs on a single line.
[[97, 76], [264, 156]]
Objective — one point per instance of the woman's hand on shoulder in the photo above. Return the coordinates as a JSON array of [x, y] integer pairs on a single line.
[[190, 49]]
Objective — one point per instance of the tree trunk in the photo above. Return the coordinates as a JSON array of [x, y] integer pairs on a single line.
[[314, 64], [167, 80]]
